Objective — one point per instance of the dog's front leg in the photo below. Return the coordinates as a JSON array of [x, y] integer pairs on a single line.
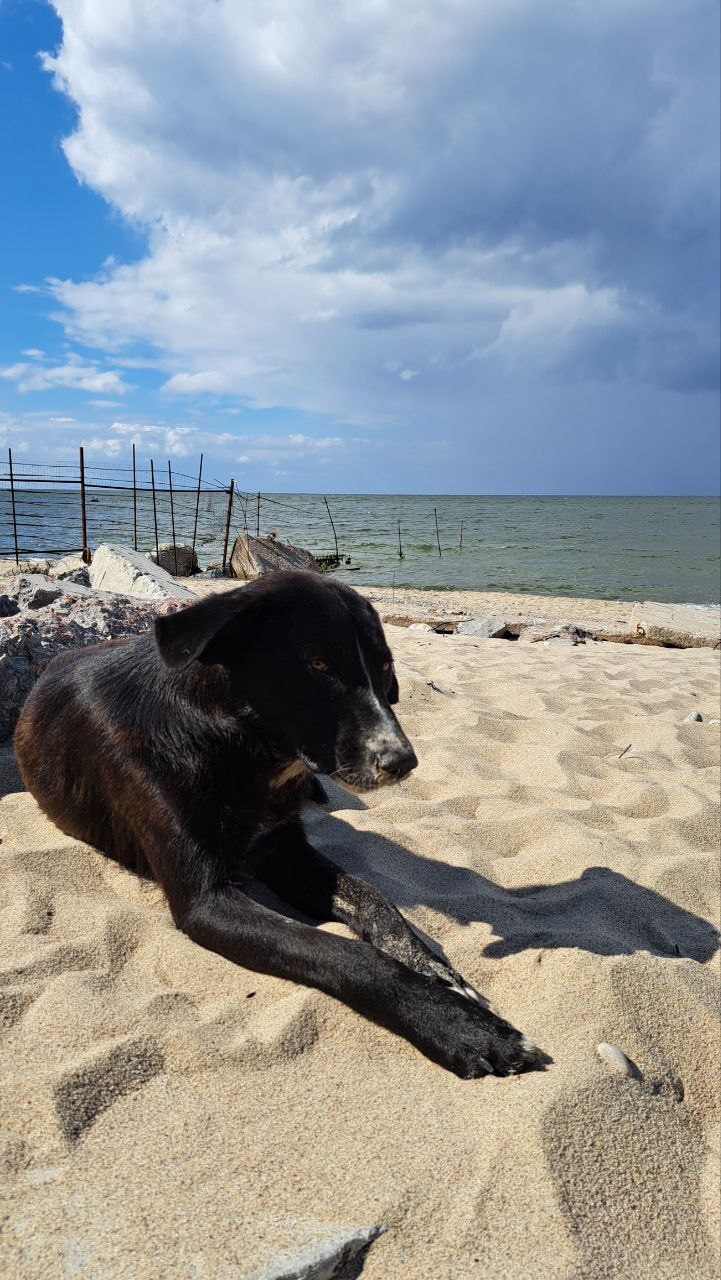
[[305, 878], [451, 1030]]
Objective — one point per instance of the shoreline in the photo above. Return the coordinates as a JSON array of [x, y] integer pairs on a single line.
[[500, 614], [619, 621]]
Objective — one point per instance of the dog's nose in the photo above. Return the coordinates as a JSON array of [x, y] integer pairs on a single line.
[[396, 762]]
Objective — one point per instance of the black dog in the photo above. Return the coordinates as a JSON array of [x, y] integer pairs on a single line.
[[187, 755]]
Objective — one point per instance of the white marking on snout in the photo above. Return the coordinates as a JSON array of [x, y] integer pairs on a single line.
[[387, 734]]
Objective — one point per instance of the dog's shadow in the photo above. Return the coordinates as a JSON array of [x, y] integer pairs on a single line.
[[601, 912]]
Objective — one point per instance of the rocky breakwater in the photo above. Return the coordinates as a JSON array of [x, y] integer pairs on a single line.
[[119, 594]]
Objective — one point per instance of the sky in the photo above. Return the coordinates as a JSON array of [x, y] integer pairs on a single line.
[[401, 246]]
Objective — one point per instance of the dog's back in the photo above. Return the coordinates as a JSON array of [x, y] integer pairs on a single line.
[[65, 763]]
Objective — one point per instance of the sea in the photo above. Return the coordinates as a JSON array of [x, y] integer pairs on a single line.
[[625, 548]]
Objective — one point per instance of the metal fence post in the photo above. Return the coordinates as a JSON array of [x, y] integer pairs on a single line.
[[438, 536], [135, 506], [12, 503], [155, 509], [227, 523], [197, 504], [85, 551], [257, 517], [335, 536], [172, 518]]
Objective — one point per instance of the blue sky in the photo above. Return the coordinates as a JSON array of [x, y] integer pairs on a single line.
[[417, 248]]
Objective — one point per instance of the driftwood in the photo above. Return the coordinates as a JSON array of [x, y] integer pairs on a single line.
[[255, 557]]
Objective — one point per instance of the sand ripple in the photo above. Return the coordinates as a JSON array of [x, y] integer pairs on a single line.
[[559, 841]]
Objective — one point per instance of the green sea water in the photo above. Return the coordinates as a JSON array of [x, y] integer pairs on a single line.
[[626, 548], [616, 548]]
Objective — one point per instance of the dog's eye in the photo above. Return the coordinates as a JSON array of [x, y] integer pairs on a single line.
[[387, 666], [317, 664]]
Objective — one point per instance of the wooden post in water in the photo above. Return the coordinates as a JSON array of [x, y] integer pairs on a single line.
[[335, 536], [83, 518], [12, 503], [460, 540], [135, 506], [155, 509], [257, 517], [400, 545], [438, 536], [227, 522], [197, 504], [172, 517]]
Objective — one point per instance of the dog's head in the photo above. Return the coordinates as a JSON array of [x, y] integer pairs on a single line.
[[308, 656]]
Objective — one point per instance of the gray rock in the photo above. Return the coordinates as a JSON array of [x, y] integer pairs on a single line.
[[680, 626], [33, 590], [419, 626], [8, 606], [36, 591], [80, 577], [487, 625], [176, 558], [32, 637], [10, 568], [130, 573], [256, 557], [301, 1249], [67, 565], [693, 715]]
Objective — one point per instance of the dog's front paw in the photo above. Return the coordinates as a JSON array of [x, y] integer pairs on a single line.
[[475, 1042]]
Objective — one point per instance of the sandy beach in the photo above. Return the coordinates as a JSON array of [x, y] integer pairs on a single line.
[[165, 1113]]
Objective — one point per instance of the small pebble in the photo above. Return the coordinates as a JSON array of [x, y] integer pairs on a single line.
[[693, 715], [438, 689], [614, 1058]]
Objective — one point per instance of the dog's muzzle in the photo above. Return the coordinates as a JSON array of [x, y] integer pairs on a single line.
[[394, 762]]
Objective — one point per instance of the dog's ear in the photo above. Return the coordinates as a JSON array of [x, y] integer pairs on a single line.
[[393, 692], [188, 634]]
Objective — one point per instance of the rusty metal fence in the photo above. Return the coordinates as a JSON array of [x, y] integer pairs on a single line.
[[56, 508]]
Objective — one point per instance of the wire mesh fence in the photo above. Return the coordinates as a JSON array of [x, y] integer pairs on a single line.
[[58, 508]]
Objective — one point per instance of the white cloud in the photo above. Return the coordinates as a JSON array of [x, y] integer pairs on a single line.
[[164, 441], [496, 191], [74, 375], [192, 383]]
